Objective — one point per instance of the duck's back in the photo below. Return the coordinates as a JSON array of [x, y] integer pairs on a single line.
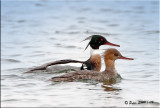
[[84, 74]]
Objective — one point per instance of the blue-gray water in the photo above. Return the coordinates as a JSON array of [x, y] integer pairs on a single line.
[[36, 32]]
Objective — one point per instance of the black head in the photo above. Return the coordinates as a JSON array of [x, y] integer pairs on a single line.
[[97, 40]]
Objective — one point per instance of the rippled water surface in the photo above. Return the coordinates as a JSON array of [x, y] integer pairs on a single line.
[[37, 32]]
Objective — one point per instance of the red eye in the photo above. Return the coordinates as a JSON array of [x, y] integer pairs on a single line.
[[101, 39]]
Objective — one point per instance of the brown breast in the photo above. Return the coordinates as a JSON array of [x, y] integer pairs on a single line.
[[96, 60]]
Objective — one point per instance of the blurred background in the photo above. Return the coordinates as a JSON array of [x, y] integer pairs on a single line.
[[34, 32]]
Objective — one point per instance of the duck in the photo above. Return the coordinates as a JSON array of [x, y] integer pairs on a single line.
[[109, 74], [93, 63]]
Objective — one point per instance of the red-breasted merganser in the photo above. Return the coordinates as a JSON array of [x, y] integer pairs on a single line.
[[108, 74], [93, 63]]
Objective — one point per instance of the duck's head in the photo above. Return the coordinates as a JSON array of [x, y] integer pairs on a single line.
[[114, 54], [98, 40]]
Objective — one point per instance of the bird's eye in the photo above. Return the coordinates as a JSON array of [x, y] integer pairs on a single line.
[[115, 54], [101, 39]]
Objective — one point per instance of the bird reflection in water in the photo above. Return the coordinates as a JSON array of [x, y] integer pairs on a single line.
[[108, 86]]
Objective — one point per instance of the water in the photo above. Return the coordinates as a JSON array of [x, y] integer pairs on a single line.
[[37, 32]]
